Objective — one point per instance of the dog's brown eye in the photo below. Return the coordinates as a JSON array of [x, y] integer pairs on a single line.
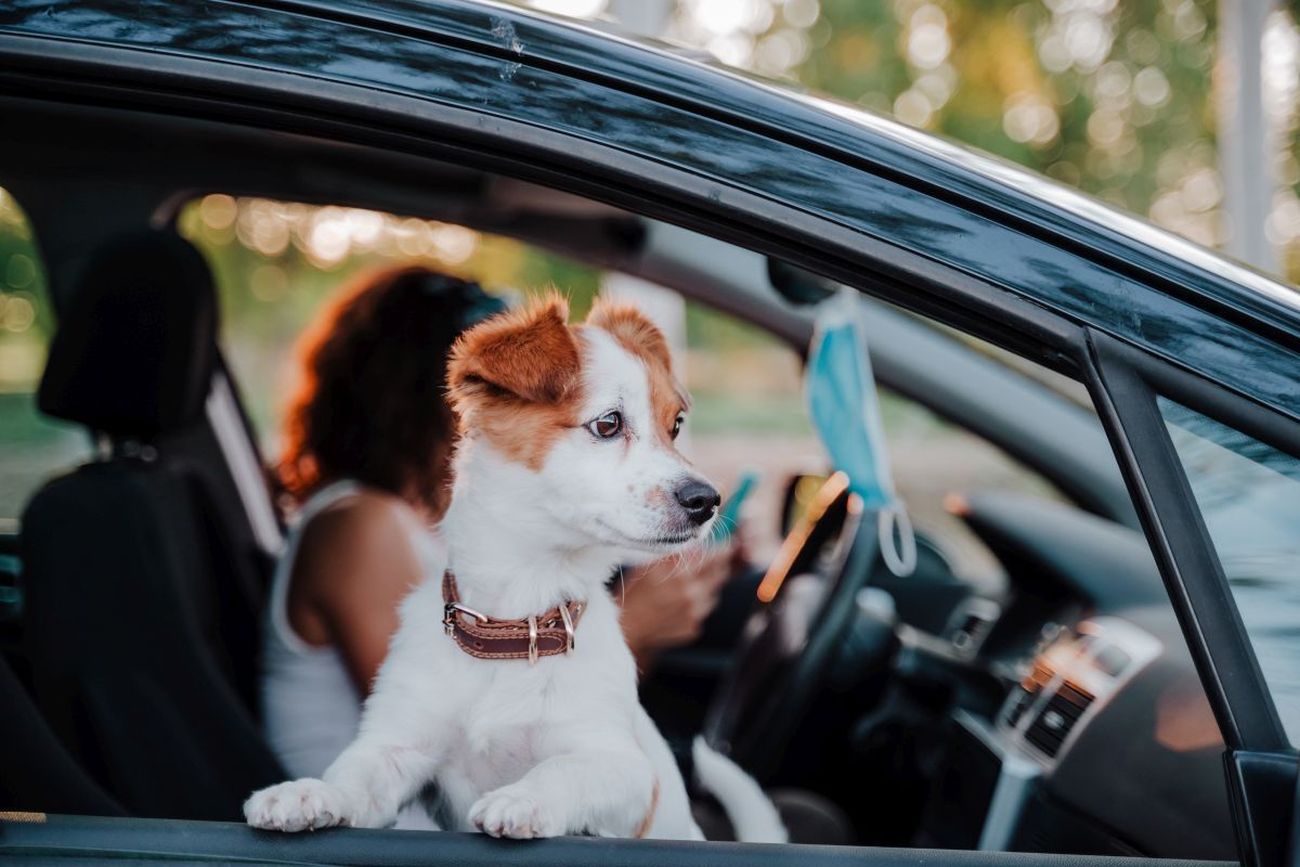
[[677, 425], [608, 425]]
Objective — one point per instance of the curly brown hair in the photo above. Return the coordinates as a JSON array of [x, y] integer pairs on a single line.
[[370, 402]]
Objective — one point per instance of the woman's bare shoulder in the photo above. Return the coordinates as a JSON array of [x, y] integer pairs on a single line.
[[367, 514], [357, 560], [369, 531]]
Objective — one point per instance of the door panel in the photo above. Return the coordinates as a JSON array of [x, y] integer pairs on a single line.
[[1262, 787], [170, 841]]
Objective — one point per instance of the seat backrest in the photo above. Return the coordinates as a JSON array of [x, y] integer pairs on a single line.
[[37, 775], [141, 625]]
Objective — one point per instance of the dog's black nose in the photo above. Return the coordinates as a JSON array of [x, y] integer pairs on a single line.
[[699, 499]]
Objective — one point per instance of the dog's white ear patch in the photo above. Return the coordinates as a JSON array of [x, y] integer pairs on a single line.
[[639, 336]]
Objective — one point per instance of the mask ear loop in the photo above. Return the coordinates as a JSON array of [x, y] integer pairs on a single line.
[[897, 540]]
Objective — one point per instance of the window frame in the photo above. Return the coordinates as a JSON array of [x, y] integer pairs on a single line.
[[52, 429], [1126, 382], [1260, 762]]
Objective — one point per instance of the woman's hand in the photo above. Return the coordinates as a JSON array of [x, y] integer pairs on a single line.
[[665, 603]]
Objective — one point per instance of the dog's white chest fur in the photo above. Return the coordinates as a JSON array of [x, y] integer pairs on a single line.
[[493, 721]]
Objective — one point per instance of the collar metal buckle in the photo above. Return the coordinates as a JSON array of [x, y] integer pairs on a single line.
[[568, 627], [449, 615]]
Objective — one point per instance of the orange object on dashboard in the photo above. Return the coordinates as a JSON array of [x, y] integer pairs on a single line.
[[783, 562]]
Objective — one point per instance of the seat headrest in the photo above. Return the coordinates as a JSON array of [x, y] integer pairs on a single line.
[[136, 347]]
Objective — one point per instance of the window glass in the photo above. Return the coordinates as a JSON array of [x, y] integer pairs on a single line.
[[32, 447], [1249, 495], [932, 460], [749, 414], [275, 262]]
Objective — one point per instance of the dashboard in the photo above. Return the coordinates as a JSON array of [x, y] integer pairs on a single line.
[[1061, 688], [1068, 681], [1078, 723]]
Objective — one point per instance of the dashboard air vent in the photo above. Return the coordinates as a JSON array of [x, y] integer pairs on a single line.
[[971, 622], [1058, 717], [971, 633], [1028, 690]]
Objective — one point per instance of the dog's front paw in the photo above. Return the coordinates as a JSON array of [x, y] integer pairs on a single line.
[[298, 805], [513, 811]]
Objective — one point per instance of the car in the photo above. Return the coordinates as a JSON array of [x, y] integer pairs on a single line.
[[1126, 693]]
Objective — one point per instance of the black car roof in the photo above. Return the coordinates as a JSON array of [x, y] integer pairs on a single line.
[[640, 65], [970, 212]]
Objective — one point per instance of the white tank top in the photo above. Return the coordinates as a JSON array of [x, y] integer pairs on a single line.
[[310, 707]]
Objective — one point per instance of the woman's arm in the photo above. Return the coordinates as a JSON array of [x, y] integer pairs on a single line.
[[355, 564]]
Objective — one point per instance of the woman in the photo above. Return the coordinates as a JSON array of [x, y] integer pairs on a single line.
[[366, 457], [366, 448]]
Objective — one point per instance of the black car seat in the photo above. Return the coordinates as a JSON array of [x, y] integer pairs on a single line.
[[37, 774], [141, 615]]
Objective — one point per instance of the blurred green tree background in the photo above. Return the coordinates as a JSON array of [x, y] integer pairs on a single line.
[[1117, 99]]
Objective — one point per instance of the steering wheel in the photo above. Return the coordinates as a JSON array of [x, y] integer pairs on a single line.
[[807, 603]]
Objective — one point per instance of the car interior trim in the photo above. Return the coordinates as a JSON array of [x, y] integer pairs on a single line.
[[1091, 666], [1016, 777], [87, 838], [228, 427]]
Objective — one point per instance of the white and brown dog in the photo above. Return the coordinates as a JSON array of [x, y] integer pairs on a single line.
[[510, 685]]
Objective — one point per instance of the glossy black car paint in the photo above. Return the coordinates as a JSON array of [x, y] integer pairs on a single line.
[[869, 177]]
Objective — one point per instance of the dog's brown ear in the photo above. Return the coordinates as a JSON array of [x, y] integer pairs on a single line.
[[528, 354], [633, 330]]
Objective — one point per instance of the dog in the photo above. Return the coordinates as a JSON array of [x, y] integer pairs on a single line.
[[508, 685]]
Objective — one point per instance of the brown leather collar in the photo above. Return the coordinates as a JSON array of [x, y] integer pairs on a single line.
[[547, 634]]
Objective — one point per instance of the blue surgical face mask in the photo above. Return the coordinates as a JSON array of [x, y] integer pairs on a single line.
[[845, 410]]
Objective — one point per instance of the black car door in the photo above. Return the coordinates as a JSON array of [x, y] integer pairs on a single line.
[[407, 82]]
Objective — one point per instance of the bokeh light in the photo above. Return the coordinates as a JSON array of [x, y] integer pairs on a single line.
[[325, 237], [571, 8]]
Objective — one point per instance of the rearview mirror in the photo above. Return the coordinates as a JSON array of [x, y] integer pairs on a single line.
[[797, 285]]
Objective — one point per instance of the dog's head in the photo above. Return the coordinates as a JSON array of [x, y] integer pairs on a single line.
[[586, 416]]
